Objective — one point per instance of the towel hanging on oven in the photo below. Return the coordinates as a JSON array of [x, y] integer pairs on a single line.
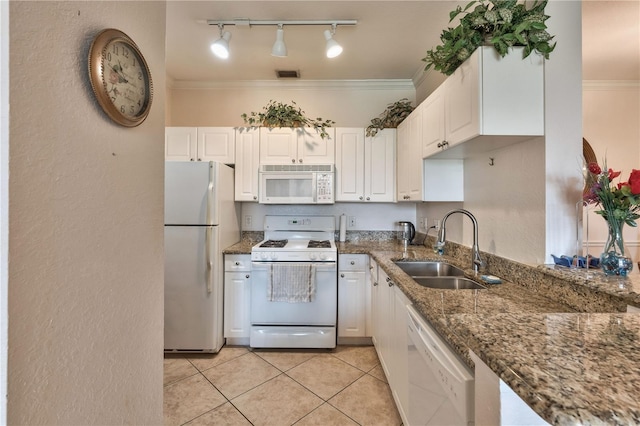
[[292, 282]]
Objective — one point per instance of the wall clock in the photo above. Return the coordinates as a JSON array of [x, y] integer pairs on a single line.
[[120, 78]]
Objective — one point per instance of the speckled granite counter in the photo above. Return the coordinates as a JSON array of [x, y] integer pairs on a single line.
[[558, 337]]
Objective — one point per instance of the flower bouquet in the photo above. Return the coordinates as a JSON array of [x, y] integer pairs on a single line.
[[619, 205]]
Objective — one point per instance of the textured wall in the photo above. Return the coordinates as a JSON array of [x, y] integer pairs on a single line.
[[86, 228]]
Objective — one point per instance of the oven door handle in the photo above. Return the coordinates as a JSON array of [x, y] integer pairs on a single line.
[[320, 266]]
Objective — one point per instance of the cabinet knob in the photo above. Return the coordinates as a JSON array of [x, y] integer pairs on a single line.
[[300, 160], [255, 197], [191, 159], [360, 198], [237, 263], [341, 275], [375, 283], [293, 160], [247, 276], [368, 198], [390, 283]]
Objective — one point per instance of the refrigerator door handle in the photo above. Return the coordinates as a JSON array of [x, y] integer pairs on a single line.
[[209, 274], [210, 197]]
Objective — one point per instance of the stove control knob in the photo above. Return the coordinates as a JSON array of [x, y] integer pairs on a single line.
[[312, 256], [263, 255], [274, 256], [323, 256]]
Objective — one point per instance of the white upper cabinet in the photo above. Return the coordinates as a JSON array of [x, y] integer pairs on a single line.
[[409, 164], [365, 166], [282, 145], [200, 144], [247, 164], [487, 103]]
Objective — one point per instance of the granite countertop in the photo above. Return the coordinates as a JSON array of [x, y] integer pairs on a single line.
[[572, 363]]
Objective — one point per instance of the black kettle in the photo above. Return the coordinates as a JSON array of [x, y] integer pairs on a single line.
[[407, 232]]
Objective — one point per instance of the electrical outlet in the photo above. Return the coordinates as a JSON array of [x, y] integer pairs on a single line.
[[248, 221], [352, 221]]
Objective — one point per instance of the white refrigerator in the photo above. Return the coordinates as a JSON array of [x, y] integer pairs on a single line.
[[201, 219]]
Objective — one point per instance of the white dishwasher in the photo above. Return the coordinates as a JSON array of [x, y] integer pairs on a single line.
[[440, 385]]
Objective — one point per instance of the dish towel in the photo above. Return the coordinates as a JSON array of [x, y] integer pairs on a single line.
[[292, 282]]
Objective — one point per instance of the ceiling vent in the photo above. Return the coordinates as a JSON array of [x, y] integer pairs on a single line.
[[288, 73]]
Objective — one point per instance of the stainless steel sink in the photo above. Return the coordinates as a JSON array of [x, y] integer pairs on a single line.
[[429, 269], [449, 283]]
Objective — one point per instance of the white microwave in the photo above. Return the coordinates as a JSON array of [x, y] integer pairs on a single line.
[[296, 183]]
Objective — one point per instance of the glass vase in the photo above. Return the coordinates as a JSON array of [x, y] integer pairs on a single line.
[[613, 260]]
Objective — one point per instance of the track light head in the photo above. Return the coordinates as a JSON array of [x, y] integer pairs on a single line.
[[220, 47], [333, 48], [279, 49]]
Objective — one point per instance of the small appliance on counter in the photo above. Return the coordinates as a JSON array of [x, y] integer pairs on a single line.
[[406, 233]]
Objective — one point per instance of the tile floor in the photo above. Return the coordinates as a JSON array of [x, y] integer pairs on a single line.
[[239, 386]]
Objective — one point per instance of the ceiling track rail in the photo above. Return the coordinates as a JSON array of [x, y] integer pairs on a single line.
[[250, 22]]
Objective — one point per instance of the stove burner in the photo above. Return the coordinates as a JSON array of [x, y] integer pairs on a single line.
[[274, 243], [319, 244]]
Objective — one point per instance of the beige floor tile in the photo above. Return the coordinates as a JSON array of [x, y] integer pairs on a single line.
[[280, 401], [177, 369], [205, 361], [361, 357], [285, 360], [325, 375], [368, 401], [225, 414], [378, 373], [240, 374], [326, 415], [188, 399]]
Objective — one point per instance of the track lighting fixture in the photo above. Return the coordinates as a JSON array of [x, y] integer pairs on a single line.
[[279, 49], [220, 47], [333, 48]]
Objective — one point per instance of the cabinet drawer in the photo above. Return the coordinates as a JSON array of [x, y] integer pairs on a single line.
[[237, 262], [353, 262]]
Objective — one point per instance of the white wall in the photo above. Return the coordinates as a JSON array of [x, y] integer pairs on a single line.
[[612, 128], [85, 224], [349, 104], [368, 216]]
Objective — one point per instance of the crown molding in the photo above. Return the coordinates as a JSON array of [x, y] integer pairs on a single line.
[[610, 84], [297, 84]]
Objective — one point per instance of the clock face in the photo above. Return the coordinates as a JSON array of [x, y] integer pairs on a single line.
[[125, 79], [120, 78]]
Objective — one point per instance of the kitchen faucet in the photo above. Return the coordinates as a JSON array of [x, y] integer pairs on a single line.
[[476, 262]]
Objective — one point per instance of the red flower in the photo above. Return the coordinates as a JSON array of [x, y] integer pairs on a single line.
[[594, 168], [613, 175], [634, 181]]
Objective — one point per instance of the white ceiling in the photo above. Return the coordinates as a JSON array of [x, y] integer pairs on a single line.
[[388, 42]]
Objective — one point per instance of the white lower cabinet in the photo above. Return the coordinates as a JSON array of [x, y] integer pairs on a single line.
[[352, 295], [237, 298], [390, 338]]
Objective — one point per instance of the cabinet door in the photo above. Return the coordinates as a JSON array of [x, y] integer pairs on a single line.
[[180, 143], [237, 301], [350, 173], [312, 149], [409, 164], [433, 131], [402, 157], [399, 348], [247, 164], [278, 146], [351, 304], [462, 112], [216, 144], [380, 166]]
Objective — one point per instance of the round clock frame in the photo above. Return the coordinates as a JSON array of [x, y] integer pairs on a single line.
[[120, 77]]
